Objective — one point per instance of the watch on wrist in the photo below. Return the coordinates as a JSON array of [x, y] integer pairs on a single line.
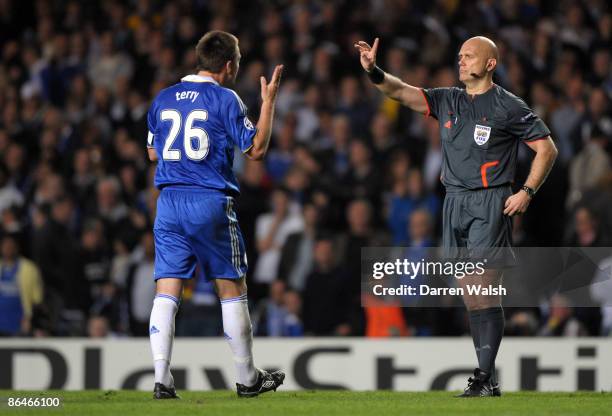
[[530, 191]]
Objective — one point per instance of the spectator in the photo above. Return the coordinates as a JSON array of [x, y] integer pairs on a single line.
[[278, 315], [293, 323], [421, 228], [586, 230], [280, 158], [110, 64], [353, 105], [109, 205], [383, 138], [200, 309], [98, 327], [297, 253], [83, 178], [307, 115], [422, 321], [408, 195], [269, 316], [363, 180], [384, 320], [336, 160], [588, 167], [596, 122], [560, 321], [567, 116], [272, 230], [9, 195], [94, 256], [325, 295], [61, 272], [140, 286], [109, 305], [601, 292], [522, 323], [254, 191], [361, 233], [21, 289]]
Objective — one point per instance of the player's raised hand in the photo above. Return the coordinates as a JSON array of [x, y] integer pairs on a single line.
[[367, 54], [269, 90]]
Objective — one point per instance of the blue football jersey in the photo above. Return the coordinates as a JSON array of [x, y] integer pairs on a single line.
[[194, 126]]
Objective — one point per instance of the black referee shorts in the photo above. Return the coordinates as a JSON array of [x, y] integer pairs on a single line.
[[474, 226]]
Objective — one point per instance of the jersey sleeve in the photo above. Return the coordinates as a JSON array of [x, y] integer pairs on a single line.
[[237, 123], [152, 125], [524, 124], [436, 99]]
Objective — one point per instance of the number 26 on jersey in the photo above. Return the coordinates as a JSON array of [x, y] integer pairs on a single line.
[[195, 139]]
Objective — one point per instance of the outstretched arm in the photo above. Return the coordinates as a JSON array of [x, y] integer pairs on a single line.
[[266, 115], [391, 86]]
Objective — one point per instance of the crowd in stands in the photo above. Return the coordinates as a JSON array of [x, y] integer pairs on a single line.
[[347, 168]]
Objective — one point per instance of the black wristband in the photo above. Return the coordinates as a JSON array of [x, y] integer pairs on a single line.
[[377, 75]]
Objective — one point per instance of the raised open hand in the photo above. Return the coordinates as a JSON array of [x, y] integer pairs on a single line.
[[367, 54], [269, 91]]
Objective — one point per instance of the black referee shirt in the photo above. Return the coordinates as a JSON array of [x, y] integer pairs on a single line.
[[480, 134]]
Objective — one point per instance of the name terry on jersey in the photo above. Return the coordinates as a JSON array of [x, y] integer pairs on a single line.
[[187, 95]]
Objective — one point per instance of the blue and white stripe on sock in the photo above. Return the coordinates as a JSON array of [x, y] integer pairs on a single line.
[[236, 299], [172, 298]]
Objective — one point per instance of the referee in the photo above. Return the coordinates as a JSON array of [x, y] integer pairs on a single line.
[[480, 129]]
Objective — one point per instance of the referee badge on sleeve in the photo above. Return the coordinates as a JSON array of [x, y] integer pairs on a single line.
[[481, 134]]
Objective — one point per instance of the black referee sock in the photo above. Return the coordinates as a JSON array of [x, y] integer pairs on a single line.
[[475, 331], [491, 333]]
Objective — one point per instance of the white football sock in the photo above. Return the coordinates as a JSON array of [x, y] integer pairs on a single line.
[[161, 334], [239, 335]]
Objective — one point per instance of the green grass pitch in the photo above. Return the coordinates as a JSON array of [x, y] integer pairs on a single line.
[[376, 403]]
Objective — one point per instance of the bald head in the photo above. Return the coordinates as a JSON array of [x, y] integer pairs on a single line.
[[477, 60], [485, 45]]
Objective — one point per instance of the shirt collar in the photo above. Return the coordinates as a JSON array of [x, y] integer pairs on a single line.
[[198, 78]]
